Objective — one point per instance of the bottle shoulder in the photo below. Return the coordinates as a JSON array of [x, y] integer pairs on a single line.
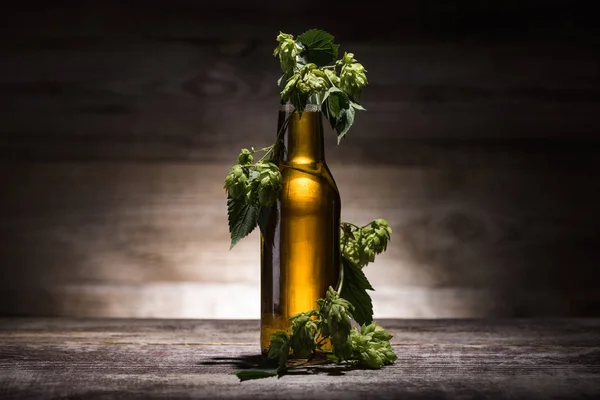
[[311, 177]]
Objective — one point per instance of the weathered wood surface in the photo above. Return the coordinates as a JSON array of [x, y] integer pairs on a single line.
[[120, 358], [118, 122], [151, 240]]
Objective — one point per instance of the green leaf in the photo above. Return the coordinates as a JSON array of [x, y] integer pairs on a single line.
[[354, 289], [318, 47], [299, 101], [242, 218], [249, 374], [357, 106], [279, 339], [282, 81], [339, 110], [264, 215], [334, 103], [283, 357], [345, 121]]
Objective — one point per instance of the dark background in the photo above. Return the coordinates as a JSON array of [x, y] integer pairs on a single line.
[[118, 122]]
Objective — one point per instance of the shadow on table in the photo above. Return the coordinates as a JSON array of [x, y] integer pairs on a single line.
[[242, 362], [258, 361]]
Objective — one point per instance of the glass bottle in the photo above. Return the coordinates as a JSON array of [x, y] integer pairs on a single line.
[[300, 252]]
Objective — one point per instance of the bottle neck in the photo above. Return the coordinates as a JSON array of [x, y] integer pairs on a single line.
[[303, 138]]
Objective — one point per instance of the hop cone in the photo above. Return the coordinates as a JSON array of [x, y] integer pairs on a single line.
[[269, 183], [352, 77], [337, 317], [335, 80], [236, 182], [245, 157], [287, 51], [287, 91], [351, 250], [377, 235], [372, 346], [313, 78], [303, 336]]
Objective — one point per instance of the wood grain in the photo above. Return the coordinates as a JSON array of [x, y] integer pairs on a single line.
[[185, 358], [118, 122], [151, 240]]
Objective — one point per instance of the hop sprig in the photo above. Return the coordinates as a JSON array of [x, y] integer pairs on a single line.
[[304, 329], [311, 69], [370, 347], [258, 184], [251, 187]]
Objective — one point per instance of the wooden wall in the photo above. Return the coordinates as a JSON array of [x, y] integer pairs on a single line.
[[119, 121]]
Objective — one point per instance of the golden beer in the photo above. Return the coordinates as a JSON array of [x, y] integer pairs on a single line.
[[300, 254]]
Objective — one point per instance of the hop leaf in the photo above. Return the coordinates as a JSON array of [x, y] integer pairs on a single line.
[[242, 219], [318, 47], [279, 348]]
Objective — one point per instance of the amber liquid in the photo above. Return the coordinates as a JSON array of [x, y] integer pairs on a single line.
[[300, 254]]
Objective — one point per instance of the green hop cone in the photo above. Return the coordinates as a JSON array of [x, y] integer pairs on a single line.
[[378, 235], [288, 90], [303, 87], [269, 183], [251, 195], [367, 254], [337, 323], [351, 250], [376, 332], [315, 80], [353, 76], [287, 50], [372, 346], [333, 78], [245, 157], [236, 182], [303, 336]]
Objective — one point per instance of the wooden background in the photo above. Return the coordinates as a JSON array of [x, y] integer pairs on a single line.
[[480, 145]]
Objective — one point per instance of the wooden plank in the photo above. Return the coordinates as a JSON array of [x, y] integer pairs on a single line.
[[446, 358], [130, 98], [558, 332], [207, 372], [150, 240], [448, 20]]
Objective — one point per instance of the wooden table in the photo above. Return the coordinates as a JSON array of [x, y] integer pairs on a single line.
[[120, 358]]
